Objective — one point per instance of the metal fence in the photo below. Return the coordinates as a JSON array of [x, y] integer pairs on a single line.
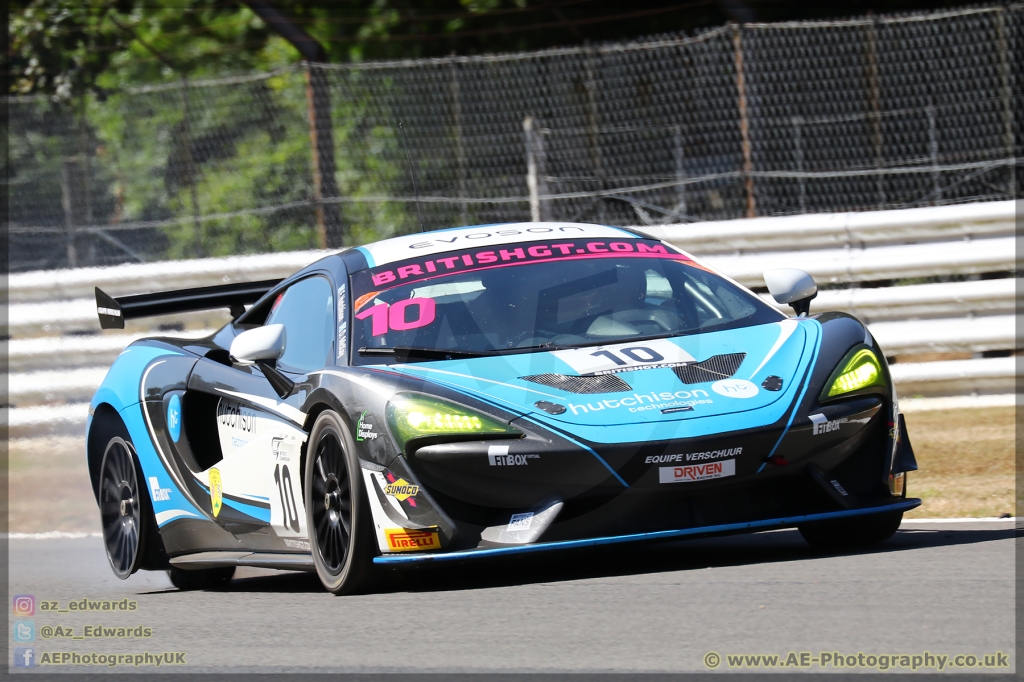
[[741, 121]]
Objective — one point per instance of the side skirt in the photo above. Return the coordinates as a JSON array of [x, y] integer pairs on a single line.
[[286, 562], [767, 524]]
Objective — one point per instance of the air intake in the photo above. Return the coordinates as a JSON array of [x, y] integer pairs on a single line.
[[601, 383], [714, 368]]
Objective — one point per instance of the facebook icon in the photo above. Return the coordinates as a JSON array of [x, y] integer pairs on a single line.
[[24, 657]]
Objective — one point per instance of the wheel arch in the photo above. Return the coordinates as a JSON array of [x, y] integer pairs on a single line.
[[323, 402], [106, 422]]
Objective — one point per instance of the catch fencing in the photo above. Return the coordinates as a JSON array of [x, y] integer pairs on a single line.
[[879, 112], [947, 337]]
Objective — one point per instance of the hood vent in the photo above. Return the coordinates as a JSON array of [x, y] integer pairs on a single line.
[[714, 368], [601, 383]]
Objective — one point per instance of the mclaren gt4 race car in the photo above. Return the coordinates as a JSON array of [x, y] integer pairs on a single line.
[[484, 391]]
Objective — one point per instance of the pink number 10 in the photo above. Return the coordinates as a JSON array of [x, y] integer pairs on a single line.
[[385, 317]]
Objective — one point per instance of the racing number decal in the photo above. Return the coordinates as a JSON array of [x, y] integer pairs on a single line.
[[624, 357], [632, 353], [283, 479], [395, 317]]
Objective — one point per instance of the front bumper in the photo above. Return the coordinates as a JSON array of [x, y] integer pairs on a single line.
[[703, 531], [833, 461]]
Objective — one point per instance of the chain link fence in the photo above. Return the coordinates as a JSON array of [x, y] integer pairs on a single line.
[[744, 120]]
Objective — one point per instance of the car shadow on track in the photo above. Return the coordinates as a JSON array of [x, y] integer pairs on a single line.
[[620, 560]]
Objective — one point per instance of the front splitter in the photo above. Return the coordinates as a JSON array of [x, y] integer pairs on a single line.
[[765, 524]]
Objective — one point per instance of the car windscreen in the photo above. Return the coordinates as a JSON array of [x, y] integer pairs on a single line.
[[523, 297]]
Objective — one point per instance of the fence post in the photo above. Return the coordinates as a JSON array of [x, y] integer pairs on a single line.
[[1007, 97], [741, 88], [460, 150], [874, 98], [798, 152], [679, 156], [190, 168], [593, 126], [69, 218], [321, 137], [536, 172], [83, 151], [933, 153]]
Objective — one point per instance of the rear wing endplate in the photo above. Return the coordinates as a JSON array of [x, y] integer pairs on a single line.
[[114, 311]]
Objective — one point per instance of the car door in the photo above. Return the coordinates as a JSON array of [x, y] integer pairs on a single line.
[[251, 459]]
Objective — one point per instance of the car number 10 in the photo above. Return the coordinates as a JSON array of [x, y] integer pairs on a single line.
[[289, 510], [624, 356]]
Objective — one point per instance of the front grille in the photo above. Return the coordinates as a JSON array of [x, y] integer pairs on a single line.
[[602, 383], [714, 368]]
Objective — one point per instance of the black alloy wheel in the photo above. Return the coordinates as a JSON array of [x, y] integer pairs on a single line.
[[331, 502], [121, 505], [338, 516]]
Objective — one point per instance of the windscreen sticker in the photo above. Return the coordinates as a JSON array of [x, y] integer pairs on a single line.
[[412, 313], [624, 357], [342, 324], [471, 260], [400, 248]]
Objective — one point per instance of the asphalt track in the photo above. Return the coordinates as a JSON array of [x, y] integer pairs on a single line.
[[943, 588]]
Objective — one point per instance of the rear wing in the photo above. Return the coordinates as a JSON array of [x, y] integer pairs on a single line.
[[114, 311]]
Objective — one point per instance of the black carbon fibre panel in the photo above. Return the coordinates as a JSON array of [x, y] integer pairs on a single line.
[[714, 368], [602, 383]]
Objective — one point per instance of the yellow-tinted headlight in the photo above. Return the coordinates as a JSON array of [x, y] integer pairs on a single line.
[[860, 369], [418, 416]]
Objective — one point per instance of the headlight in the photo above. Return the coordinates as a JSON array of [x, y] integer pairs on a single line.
[[860, 369], [420, 416]]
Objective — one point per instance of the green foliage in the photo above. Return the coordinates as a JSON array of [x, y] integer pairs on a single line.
[[64, 48]]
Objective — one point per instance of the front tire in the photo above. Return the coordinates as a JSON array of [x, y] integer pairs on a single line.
[[846, 533], [337, 511]]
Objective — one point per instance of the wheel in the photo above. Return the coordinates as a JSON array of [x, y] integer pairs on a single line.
[[337, 511], [126, 514], [203, 579], [852, 532]]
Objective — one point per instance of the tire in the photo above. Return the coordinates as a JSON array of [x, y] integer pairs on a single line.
[[337, 512], [130, 535], [852, 532], [203, 579]]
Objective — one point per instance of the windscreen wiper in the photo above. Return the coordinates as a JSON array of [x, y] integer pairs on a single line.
[[415, 353]]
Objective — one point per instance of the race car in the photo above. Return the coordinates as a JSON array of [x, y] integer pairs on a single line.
[[488, 391]]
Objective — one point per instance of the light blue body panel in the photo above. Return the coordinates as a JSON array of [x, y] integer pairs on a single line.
[[121, 390], [786, 349]]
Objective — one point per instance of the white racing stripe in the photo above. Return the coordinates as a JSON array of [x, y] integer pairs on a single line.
[[171, 514], [786, 329]]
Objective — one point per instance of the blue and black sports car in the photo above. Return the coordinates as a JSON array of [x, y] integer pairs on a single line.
[[487, 391]]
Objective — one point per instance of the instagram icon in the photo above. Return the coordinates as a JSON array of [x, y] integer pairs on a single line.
[[24, 605]]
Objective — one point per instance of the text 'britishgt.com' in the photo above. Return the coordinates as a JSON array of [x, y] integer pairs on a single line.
[[486, 391]]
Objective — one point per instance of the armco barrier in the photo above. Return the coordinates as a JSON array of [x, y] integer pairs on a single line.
[[57, 355], [843, 230]]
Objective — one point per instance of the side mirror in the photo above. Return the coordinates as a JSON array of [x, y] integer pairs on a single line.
[[263, 343], [262, 347], [792, 286]]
